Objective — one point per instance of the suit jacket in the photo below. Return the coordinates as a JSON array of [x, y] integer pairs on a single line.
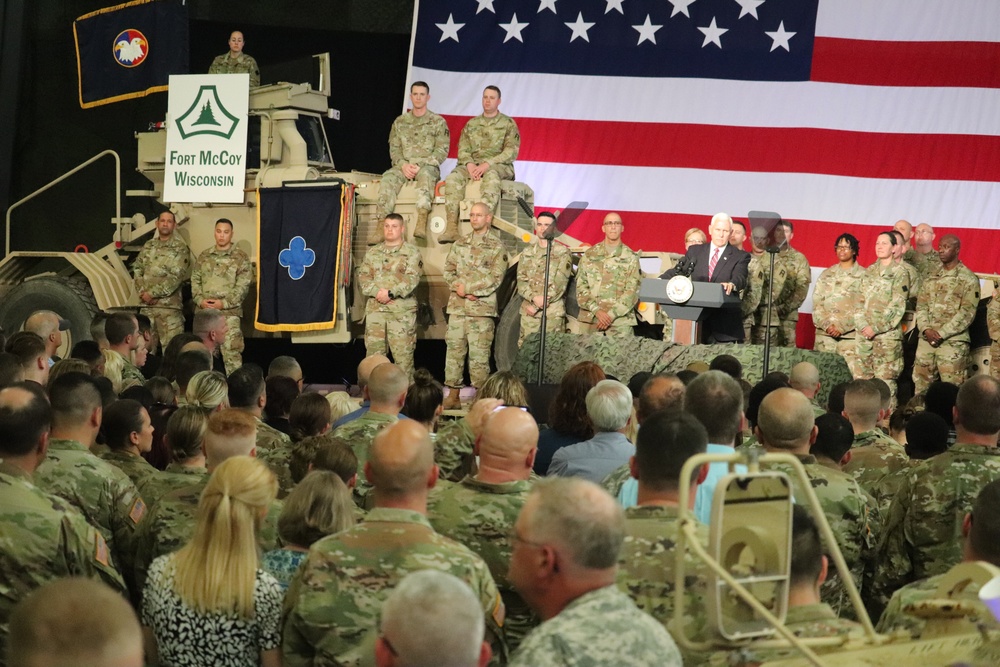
[[726, 324]]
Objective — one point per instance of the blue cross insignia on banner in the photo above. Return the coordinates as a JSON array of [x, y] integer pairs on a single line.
[[297, 258]]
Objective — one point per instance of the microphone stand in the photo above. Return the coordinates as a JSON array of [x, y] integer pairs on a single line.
[[545, 303], [773, 252]]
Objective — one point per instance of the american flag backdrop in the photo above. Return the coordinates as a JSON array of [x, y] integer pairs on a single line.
[[841, 115]]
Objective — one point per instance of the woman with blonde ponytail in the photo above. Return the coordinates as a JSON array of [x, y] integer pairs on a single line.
[[210, 603]]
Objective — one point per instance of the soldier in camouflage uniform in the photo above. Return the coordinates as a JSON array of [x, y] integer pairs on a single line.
[[786, 424], [879, 336], [474, 269], [760, 262], [566, 544], [923, 256], [220, 280], [44, 538], [160, 269], [993, 325], [248, 393], [925, 517], [835, 300], [236, 62], [945, 309], [480, 511], [487, 149], [128, 432], [388, 277], [874, 455], [122, 332], [333, 603], [607, 283], [795, 287], [911, 271], [418, 144], [754, 292], [386, 391], [531, 279]]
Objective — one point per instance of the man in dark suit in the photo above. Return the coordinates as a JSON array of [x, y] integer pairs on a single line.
[[719, 262]]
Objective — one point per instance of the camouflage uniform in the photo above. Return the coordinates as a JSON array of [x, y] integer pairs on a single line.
[[131, 375], [420, 140], [608, 279], [495, 140], [171, 522], [225, 64], [885, 290], [333, 603], [947, 304], [478, 262], [601, 627], [852, 516], [225, 275], [481, 516], [835, 300], [993, 325], [646, 571], [103, 493], [530, 282], [754, 292], [811, 620], [928, 264], [274, 449], [137, 468], [760, 317], [42, 539], [923, 531], [397, 269], [359, 434], [873, 456], [793, 292], [174, 477], [160, 269], [454, 450], [894, 616]]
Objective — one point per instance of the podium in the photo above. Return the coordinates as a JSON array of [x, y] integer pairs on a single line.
[[705, 299]]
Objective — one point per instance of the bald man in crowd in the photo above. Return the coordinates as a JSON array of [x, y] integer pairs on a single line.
[[365, 369], [924, 257], [804, 378], [49, 327], [480, 511], [331, 612]]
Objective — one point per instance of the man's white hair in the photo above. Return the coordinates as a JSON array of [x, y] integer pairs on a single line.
[[724, 217], [433, 619], [609, 405]]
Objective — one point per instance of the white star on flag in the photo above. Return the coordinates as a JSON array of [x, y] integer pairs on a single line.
[[647, 31], [614, 4], [485, 4], [450, 29], [580, 28], [712, 34], [681, 7], [780, 37], [546, 4], [747, 7], [513, 29]]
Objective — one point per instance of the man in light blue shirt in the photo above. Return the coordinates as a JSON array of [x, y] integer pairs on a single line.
[[609, 406]]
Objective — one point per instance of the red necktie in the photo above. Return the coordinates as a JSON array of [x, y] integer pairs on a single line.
[[712, 262]]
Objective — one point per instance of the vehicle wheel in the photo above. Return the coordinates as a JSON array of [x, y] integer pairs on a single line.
[[71, 298], [508, 329]]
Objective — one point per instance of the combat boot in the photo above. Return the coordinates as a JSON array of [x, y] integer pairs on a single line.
[[420, 231], [450, 233], [452, 400], [375, 234]]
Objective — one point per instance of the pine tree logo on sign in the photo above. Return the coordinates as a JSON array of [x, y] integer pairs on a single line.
[[207, 115]]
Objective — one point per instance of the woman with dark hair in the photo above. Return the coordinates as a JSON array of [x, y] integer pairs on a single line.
[[568, 420], [128, 433], [837, 293], [309, 415], [424, 400], [168, 367]]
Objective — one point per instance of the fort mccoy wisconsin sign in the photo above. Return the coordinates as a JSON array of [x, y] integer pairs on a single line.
[[206, 138]]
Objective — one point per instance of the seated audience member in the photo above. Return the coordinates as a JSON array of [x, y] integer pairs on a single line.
[[308, 416], [128, 433], [835, 401], [804, 378], [926, 436], [568, 420], [432, 614], [77, 622], [341, 404], [168, 367], [365, 368], [318, 506], [90, 352], [97, 325], [286, 366], [183, 436], [566, 544], [874, 455], [163, 392], [281, 391], [635, 384], [897, 423], [686, 375], [303, 455], [10, 370], [757, 396], [29, 348], [214, 583], [164, 405], [609, 406], [834, 437], [67, 366], [940, 399], [425, 400], [337, 456], [729, 365], [207, 390]]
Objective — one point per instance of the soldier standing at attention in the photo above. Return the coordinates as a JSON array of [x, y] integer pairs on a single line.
[[993, 325], [879, 339], [607, 283], [160, 269], [835, 298], [388, 276], [945, 309], [236, 62], [474, 270], [531, 281], [925, 258], [487, 149], [418, 144], [220, 281], [796, 287]]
